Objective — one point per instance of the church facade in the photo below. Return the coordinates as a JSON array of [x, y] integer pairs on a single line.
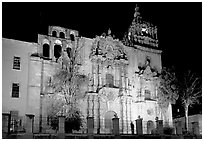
[[122, 75]]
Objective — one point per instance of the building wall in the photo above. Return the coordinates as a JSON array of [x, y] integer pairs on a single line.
[[129, 80], [191, 119], [11, 48]]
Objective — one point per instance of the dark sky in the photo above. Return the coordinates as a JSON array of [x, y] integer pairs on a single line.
[[179, 25]]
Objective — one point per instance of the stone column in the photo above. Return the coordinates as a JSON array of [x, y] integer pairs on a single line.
[[127, 115], [124, 117], [98, 118], [88, 106], [139, 128], [90, 125], [115, 126], [159, 126], [121, 114]]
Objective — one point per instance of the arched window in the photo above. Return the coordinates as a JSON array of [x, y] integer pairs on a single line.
[[46, 50], [109, 79], [72, 37], [69, 52], [54, 33], [62, 35], [57, 51]]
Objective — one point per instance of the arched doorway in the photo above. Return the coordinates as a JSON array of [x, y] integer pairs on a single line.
[[108, 121], [150, 126]]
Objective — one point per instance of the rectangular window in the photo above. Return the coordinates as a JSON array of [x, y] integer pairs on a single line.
[[147, 94], [15, 90], [16, 63]]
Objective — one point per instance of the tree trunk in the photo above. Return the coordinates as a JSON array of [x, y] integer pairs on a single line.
[[186, 118]]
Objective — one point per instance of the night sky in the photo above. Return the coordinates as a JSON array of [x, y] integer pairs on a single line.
[[179, 25]]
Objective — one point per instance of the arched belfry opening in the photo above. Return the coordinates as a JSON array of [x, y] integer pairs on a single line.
[[69, 52], [72, 37], [62, 35], [46, 50], [54, 33], [57, 51]]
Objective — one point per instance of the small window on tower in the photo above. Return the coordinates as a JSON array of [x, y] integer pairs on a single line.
[[57, 51], [54, 33], [46, 50], [72, 37], [62, 35], [69, 52]]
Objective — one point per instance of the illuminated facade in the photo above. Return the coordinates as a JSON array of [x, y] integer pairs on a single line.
[[122, 75]]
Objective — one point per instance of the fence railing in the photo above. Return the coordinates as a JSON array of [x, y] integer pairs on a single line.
[[102, 126]]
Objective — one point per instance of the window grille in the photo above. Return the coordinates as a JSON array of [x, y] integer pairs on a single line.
[[15, 90], [147, 94], [16, 63]]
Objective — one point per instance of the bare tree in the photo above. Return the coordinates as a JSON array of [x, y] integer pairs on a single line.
[[68, 83], [167, 88], [190, 92], [68, 80]]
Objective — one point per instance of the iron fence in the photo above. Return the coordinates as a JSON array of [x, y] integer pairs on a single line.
[[102, 126]]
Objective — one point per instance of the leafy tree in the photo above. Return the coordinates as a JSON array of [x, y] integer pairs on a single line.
[[167, 88], [190, 91], [68, 84]]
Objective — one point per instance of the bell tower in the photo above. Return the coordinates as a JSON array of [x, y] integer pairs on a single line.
[[141, 32]]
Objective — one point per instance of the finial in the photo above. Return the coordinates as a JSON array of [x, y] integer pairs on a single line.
[[137, 13], [109, 31]]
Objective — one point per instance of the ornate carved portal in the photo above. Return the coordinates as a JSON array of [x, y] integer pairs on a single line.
[[110, 81]]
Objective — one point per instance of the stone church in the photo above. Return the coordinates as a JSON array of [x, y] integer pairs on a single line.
[[122, 74]]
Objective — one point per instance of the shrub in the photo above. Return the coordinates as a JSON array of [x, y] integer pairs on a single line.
[[73, 121], [168, 130]]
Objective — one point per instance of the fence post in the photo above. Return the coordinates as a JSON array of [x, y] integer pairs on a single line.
[[178, 128], [195, 128], [90, 126], [61, 127], [6, 120], [139, 127], [115, 126], [159, 124], [29, 125]]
